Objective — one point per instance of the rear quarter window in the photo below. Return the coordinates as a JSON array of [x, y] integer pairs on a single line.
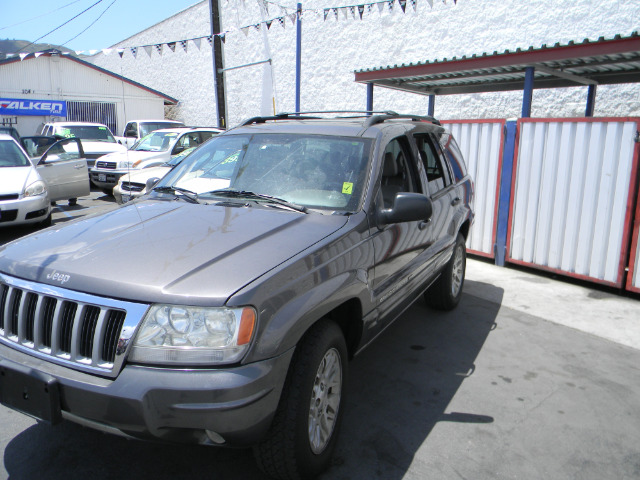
[[454, 156]]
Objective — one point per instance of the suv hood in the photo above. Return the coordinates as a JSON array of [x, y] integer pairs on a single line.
[[94, 148], [166, 251]]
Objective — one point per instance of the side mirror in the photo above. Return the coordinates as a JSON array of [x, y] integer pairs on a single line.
[[407, 207], [151, 182]]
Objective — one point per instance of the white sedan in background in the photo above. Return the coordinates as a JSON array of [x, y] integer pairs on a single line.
[[153, 150], [27, 186]]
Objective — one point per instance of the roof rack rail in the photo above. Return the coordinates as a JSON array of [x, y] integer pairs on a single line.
[[306, 115], [374, 120]]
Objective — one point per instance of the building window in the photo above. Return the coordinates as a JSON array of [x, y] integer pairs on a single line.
[[97, 112]]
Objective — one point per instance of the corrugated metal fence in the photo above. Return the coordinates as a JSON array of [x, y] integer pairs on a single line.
[[633, 279], [573, 195], [481, 144]]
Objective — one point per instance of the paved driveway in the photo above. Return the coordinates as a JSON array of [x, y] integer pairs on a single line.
[[499, 388]]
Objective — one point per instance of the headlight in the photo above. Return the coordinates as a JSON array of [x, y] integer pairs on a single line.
[[176, 334], [129, 164], [36, 188]]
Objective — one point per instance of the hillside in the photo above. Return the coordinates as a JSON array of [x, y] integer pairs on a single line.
[[16, 46]]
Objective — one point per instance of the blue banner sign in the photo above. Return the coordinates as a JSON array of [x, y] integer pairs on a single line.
[[24, 106]]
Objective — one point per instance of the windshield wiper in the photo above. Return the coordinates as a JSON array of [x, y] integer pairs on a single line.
[[191, 195], [258, 196]]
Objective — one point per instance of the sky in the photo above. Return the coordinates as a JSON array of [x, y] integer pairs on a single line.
[[115, 20]]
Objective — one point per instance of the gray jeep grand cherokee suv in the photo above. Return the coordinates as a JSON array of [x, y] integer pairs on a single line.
[[223, 307]]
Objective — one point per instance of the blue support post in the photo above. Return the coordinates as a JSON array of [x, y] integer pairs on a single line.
[[432, 105], [528, 92], [369, 97], [298, 54], [591, 101], [504, 200]]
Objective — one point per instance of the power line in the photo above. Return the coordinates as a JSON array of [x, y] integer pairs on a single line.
[[60, 26], [91, 24], [39, 16]]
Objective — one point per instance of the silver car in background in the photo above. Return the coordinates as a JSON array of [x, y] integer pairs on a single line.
[[28, 186]]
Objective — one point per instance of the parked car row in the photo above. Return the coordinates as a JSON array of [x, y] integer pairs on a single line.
[[64, 158], [154, 149]]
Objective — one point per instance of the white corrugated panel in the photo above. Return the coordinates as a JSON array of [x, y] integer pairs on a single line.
[[635, 278], [570, 196], [480, 143]]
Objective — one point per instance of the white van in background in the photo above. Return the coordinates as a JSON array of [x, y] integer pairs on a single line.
[[134, 130]]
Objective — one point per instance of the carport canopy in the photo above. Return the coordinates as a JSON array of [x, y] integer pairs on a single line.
[[590, 63]]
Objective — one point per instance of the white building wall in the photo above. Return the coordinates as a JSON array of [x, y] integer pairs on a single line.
[[58, 78], [186, 76], [332, 50]]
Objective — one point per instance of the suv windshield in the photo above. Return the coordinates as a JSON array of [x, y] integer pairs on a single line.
[[11, 155], [156, 142], [85, 132], [320, 172], [147, 127]]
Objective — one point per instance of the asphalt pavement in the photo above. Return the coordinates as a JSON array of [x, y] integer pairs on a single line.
[[530, 377]]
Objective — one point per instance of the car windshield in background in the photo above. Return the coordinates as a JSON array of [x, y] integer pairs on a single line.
[[147, 128], [319, 172], [12, 156], [86, 132], [179, 157], [156, 142]]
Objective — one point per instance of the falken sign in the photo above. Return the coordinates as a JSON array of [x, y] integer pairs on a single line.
[[23, 106]]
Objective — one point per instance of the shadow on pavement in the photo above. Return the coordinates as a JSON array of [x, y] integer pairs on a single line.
[[401, 385], [399, 389]]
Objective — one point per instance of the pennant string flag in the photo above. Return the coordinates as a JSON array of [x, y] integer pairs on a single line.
[[361, 9]]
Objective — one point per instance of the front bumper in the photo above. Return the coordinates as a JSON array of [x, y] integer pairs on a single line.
[[105, 178], [124, 196], [24, 210], [152, 403]]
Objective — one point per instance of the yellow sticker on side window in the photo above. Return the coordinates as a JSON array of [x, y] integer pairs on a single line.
[[347, 188]]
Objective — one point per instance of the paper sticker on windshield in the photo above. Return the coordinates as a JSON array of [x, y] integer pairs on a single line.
[[65, 132], [102, 128], [171, 135], [347, 188]]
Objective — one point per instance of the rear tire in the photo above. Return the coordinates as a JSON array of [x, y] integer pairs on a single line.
[[107, 191], [304, 431], [73, 202], [445, 293]]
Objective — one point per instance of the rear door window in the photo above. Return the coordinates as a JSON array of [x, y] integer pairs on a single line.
[[437, 174]]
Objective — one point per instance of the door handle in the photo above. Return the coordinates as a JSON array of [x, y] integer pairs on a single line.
[[79, 166], [455, 201], [424, 224]]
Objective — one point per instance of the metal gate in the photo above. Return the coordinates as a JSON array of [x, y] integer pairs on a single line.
[[481, 143], [97, 112], [573, 196], [633, 278]]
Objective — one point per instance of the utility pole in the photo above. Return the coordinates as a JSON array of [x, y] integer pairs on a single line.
[[298, 54], [218, 64]]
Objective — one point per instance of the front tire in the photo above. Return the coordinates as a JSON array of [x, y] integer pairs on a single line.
[[47, 222], [304, 431], [445, 293]]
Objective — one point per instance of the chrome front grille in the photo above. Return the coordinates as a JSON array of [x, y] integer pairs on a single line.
[[132, 187], [107, 165], [73, 329]]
